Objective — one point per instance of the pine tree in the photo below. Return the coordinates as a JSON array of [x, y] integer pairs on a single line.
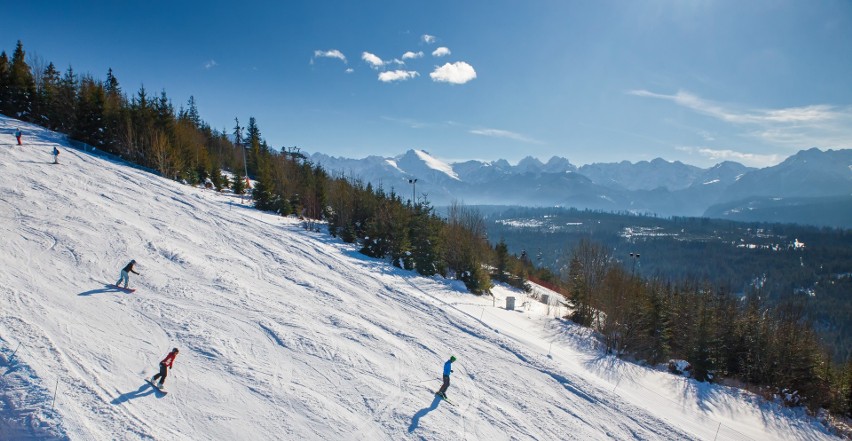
[[192, 112], [113, 90], [90, 122], [5, 84], [217, 178], [114, 107], [253, 141], [502, 264], [22, 88], [848, 394], [262, 193], [49, 97], [65, 107], [426, 244], [239, 183], [699, 356]]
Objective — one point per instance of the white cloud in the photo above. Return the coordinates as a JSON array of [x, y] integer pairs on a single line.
[[819, 112], [454, 73], [441, 52], [210, 64], [428, 39], [497, 133], [706, 135], [749, 159], [412, 123], [349, 70], [794, 128], [374, 61], [333, 53], [397, 75], [412, 55]]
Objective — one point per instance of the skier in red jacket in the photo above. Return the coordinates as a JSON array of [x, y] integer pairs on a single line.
[[165, 365]]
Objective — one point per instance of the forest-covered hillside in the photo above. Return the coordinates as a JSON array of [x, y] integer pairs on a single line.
[[782, 260]]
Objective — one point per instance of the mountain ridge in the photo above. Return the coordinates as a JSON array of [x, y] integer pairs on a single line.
[[658, 186]]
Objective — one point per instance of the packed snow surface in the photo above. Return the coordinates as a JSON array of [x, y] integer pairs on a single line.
[[289, 334]]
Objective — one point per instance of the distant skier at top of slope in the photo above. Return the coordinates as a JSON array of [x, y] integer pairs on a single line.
[[125, 274], [165, 365], [448, 369], [18, 135], [55, 155]]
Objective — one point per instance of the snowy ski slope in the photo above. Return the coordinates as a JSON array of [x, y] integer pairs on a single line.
[[288, 334]]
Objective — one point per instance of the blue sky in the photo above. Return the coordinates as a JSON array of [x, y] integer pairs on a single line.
[[593, 81]]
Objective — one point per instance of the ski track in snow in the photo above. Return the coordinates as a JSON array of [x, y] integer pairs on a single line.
[[286, 333]]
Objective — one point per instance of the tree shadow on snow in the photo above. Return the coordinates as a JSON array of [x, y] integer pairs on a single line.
[[105, 289], [415, 420], [143, 391]]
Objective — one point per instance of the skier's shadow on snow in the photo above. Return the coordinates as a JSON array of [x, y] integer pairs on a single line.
[[106, 288], [415, 420], [143, 391]]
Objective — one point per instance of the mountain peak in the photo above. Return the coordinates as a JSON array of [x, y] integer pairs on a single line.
[[529, 164], [417, 161]]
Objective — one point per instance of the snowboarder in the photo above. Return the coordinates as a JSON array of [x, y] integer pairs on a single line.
[[165, 366], [55, 155], [448, 369], [18, 135], [125, 274]]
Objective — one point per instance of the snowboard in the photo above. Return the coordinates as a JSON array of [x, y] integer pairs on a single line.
[[155, 386], [124, 289]]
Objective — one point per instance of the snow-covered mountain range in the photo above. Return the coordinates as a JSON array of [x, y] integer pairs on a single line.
[[289, 334], [657, 186]]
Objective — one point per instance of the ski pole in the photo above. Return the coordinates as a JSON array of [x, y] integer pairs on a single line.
[[426, 381], [13, 353], [54, 394]]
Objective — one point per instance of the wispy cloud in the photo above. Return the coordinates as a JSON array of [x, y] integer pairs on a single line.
[[750, 159], [349, 70], [373, 60], [428, 39], [397, 75], [333, 53], [210, 64], [820, 112], [412, 123], [792, 127], [441, 52], [497, 133], [454, 73], [412, 55]]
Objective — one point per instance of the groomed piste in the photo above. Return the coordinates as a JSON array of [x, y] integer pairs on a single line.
[[289, 334]]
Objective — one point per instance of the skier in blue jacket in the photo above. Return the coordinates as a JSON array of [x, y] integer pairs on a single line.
[[448, 369]]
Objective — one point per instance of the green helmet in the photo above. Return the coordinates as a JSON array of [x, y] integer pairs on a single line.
[[452, 358]]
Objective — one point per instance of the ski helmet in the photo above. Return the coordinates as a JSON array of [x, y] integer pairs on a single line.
[[452, 358], [175, 350]]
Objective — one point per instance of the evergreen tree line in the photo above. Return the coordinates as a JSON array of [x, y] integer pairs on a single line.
[[150, 132], [141, 129], [769, 348], [710, 250]]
